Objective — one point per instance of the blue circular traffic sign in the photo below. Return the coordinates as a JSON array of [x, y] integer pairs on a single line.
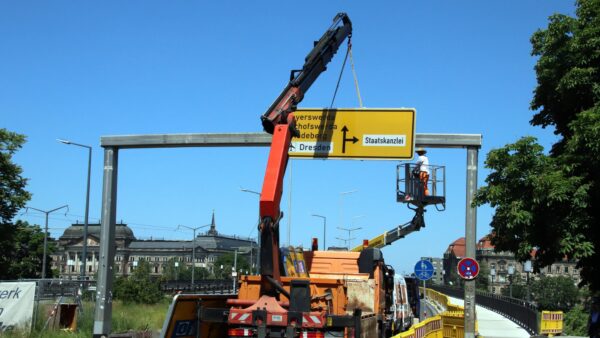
[[468, 268], [424, 270]]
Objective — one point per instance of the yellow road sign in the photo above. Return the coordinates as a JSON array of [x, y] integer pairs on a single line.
[[384, 133]]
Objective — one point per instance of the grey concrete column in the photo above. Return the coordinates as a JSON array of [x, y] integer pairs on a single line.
[[103, 313], [470, 239]]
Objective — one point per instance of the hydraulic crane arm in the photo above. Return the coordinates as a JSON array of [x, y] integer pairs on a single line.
[[315, 63], [396, 233], [279, 121]]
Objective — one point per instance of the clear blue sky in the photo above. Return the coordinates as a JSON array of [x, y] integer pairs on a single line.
[[80, 71]]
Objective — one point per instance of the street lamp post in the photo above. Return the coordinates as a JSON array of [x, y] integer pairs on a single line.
[[528, 268], [46, 234], [511, 271], [87, 206], [258, 224], [342, 205], [324, 230], [493, 274], [349, 234], [193, 247]]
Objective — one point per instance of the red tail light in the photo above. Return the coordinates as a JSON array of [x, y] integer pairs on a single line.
[[240, 332], [312, 334]]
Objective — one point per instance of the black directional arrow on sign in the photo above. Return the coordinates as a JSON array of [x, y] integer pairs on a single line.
[[345, 139]]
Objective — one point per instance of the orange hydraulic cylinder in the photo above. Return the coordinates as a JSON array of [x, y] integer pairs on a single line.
[[270, 196]]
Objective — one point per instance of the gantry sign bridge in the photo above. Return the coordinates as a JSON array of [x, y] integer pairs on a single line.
[[112, 145]]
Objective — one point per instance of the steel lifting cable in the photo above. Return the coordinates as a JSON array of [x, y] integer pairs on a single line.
[[348, 53], [360, 103], [341, 72]]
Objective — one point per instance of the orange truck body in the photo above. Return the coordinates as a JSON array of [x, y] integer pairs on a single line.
[[337, 288]]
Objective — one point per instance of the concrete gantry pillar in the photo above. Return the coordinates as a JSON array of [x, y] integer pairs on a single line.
[[103, 313], [470, 239]]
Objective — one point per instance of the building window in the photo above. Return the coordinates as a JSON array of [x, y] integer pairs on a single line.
[[566, 269], [90, 268], [157, 259], [156, 269]]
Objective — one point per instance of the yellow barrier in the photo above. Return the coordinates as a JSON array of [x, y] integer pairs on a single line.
[[551, 323], [448, 324]]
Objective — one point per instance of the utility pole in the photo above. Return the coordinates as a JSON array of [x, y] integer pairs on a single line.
[[46, 234], [193, 247], [234, 272], [350, 238], [342, 205], [257, 225], [87, 206]]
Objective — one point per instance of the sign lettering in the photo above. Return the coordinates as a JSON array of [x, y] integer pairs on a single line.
[[354, 133]]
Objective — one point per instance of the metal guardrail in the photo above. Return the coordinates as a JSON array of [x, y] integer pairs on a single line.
[[523, 313], [49, 288], [55, 288], [206, 286]]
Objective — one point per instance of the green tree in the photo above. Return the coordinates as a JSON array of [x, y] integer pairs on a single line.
[[13, 195], [575, 321], [25, 253], [547, 201], [139, 287], [555, 293], [482, 282], [519, 288], [227, 261], [174, 270]]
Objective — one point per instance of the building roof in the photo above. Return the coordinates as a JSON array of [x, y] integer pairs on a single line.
[[209, 241], [485, 243], [206, 242], [75, 231], [457, 248]]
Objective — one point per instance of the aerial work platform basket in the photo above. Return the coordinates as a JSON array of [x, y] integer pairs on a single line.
[[411, 190]]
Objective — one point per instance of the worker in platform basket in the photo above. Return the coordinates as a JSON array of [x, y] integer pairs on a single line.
[[423, 166]]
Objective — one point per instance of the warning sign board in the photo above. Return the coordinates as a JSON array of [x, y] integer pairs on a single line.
[[383, 133]]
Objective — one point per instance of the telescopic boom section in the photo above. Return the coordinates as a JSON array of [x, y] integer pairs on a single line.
[[279, 121]]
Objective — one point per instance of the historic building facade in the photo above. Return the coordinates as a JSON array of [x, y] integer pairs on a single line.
[[501, 267], [208, 246]]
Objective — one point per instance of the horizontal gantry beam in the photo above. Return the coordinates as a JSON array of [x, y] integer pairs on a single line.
[[262, 140]]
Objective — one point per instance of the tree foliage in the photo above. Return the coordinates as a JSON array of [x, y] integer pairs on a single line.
[[22, 248], [545, 201], [482, 282], [227, 261], [13, 195], [575, 321], [555, 293], [139, 287]]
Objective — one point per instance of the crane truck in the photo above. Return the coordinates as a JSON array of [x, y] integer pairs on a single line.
[[343, 294]]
